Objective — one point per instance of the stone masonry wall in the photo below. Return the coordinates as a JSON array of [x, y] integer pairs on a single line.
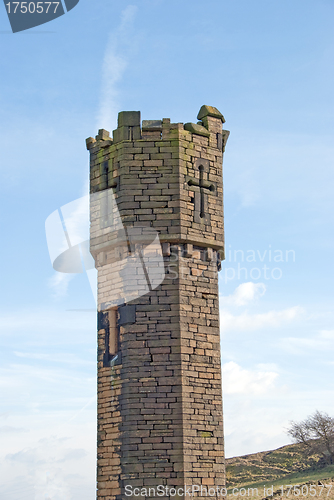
[[159, 384]]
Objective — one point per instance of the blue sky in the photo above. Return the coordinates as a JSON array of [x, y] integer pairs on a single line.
[[267, 65]]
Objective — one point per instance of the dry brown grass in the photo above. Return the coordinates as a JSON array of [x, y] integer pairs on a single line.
[[282, 474], [310, 490]]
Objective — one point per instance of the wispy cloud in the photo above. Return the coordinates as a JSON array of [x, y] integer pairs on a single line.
[[45, 465], [119, 49], [69, 326], [244, 294], [327, 334], [322, 341], [237, 380], [48, 437], [250, 322], [66, 358], [59, 283], [7, 429]]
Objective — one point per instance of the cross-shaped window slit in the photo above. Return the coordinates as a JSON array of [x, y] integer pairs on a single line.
[[204, 188]]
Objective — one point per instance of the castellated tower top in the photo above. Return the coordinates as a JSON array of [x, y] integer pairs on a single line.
[[171, 171]]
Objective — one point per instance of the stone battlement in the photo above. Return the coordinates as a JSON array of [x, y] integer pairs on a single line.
[[130, 129]]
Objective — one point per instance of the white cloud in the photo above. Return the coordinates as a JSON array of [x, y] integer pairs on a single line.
[[244, 293], [59, 283], [323, 341], [48, 393], [237, 380], [54, 357], [53, 456], [68, 325], [118, 50], [47, 467], [327, 334], [13, 430], [259, 422], [251, 322]]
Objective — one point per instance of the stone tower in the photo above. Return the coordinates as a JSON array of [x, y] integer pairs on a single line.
[[157, 237]]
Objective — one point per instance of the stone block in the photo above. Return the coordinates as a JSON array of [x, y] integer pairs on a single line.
[[152, 125], [90, 142], [126, 133], [210, 111], [197, 129], [129, 119], [103, 135]]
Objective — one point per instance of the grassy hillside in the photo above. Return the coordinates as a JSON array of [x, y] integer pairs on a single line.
[[288, 465]]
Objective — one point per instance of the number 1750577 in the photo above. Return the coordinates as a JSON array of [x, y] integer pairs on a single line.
[[32, 7], [306, 490]]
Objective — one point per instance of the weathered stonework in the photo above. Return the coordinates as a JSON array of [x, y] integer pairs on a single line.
[[159, 375]]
